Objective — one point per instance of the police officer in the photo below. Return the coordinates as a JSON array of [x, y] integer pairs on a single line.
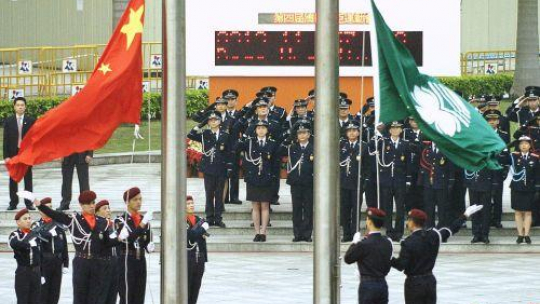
[[111, 279], [232, 195], [253, 112], [493, 103], [300, 113], [394, 176], [196, 250], [414, 198], [276, 112], [215, 164], [345, 116], [373, 255], [438, 177], [27, 253], [55, 258], [479, 184], [531, 130], [299, 152], [353, 153], [91, 240], [419, 253], [135, 231], [525, 107], [81, 162]]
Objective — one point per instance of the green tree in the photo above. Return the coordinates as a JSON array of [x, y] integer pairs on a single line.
[[527, 45]]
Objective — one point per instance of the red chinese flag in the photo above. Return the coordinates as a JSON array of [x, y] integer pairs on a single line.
[[86, 121]]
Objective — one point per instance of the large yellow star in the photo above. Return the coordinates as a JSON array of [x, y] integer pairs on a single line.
[[105, 68], [134, 26]]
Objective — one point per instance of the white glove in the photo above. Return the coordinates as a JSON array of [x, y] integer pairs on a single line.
[[472, 210], [53, 232], [151, 247], [124, 234], [206, 226], [27, 195], [113, 235], [32, 243], [357, 238], [148, 217], [42, 280], [65, 270], [137, 133]]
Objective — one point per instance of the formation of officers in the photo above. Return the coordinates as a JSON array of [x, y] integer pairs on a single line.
[[394, 166], [109, 260]]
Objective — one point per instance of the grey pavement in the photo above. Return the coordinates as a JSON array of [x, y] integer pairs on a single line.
[[286, 278]]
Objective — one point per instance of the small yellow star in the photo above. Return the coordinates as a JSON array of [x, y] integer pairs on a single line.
[[134, 26], [105, 68]]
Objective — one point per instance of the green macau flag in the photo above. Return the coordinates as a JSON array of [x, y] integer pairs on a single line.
[[457, 128]]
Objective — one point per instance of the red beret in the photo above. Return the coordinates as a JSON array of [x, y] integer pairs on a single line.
[[418, 214], [46, 201], [101, 204], [87, 196], [376, 213], [131, 193], [21, 212], [189, 198]]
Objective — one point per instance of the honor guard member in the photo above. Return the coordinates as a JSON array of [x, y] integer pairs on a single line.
[[419, 253], [196, 250], [526, 107], [492, 117], [215, 165], [253, 112], [15, 128], [111, 279], [27, 253], [353, 153], [54, 252], [91, 240], [259, 164], [300, 112], [81, 162], [299, 152], [345, 116], [275, 112], [532, 130], [414, 199], [493, 103], [134, 230], [437, 173], [372, 254], [232, 196], [479, 184], [394, 176], [525, 186]]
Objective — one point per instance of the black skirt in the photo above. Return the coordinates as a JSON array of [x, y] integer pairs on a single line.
[[259, 194], [522, 200]]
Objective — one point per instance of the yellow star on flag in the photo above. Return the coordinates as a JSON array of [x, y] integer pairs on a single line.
[[134, 26], [105, 68]]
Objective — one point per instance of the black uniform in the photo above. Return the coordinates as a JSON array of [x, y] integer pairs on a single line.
[[277, 113], [373, 255], [133, 253], [480, 185], [112, 277], [233, 193], [438, 176], [292, 120], [11, 148], [197, 257], [28, 273], [215, 163], [91, 262], [417, 258], [300, 178], [521, 115], [415, 196], [351, 183], [525, 179], [68, 165], [497, 187], [55, 256]]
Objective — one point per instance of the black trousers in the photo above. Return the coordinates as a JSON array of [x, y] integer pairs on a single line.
[[13, 188], [135, 286], [213, 186], [51, 270], [373, 292], [349, 211], [536, 213], [457, 198], [27, 285], [111, 281], [88, 280], [276, 183], [414, 198], [234, 182], [195, 275], [437, 199], [371, 192], [421, 290], [482, 219], [67, 181], [302, 204], [388, 195], [496, 203]]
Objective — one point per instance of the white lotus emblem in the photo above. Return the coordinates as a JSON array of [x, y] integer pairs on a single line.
[[441, 108]]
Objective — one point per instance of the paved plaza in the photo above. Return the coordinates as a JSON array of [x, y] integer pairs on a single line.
[[270, 278]]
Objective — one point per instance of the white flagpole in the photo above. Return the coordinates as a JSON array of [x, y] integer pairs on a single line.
[[374, 62]]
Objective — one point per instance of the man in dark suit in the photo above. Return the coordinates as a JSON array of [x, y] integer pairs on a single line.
[[15, 128], [81, 161]]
